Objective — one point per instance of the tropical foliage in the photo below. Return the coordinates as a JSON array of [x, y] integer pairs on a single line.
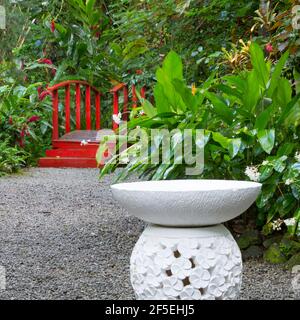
[[244, 97], [251, 122]]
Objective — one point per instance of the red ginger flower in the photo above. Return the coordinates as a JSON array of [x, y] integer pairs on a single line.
[[45, 61], [33, 119], [10, 120], [52, 26], [269, 48], [23, 132]]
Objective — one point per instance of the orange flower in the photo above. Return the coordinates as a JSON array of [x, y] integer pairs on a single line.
[[194, 89]]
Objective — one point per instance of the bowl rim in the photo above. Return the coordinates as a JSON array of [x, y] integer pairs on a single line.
[[173, 185]]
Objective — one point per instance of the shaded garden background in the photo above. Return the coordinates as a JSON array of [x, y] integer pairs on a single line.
[[107, 42]]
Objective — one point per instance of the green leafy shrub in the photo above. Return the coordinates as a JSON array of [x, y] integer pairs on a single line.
[[251, 123], [11, 158], [25, 127]]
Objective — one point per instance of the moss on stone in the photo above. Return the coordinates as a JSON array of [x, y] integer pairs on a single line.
[[274, 255]]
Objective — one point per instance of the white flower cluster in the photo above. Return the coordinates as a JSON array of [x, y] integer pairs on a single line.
[[252, 173], [290, 222], [117, 118], [277, 224], [297, 156], [289, 182]]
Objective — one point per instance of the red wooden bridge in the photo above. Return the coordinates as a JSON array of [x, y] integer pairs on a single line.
[[75, 142]]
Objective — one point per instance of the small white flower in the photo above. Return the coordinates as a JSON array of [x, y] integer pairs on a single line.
[[83, 143], [276, 225], [297, 156], [290, 222], [265, 162], [289, 181], [117, 118], [142, 113], [295, 137], [252, 173]]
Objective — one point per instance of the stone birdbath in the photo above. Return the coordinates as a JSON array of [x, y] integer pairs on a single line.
[[185, 253]]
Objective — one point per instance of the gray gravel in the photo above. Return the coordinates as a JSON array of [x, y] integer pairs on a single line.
[[62, 236]]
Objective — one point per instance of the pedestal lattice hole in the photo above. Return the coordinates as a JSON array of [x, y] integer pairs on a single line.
[[193, 268]]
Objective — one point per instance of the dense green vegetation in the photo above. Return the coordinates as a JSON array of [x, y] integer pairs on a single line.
[[242, 57]]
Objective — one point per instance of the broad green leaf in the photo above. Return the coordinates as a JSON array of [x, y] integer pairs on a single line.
[[263, 119], [285, 149], [266, 194], [220, 107], [223, 141], [148, 108], [169, 91], [237, 82], [234, 147], [266, 139], [251, 93], [265, 173], [172, 66], [279, 164], [186, 95], [162, 103], [293, 117], [259, 64], [291, 112], [230, 91], [277, 73], [283, 94]]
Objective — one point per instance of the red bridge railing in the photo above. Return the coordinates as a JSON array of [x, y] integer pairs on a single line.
[[122, 88], [66, 85], [90, 92]]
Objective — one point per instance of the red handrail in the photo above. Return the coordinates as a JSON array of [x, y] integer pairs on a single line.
[[116, 90], [68, 82], [66, 85], [121, 88]]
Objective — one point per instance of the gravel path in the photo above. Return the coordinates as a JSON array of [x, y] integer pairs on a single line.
[[62, 236]]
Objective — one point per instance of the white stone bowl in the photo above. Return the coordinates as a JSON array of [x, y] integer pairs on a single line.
[[186, 203]]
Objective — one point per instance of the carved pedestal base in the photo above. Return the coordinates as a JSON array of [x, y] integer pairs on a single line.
[[186, 264]]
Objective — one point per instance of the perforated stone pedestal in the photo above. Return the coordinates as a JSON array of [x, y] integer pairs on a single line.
[[190, 255], [186, 264]]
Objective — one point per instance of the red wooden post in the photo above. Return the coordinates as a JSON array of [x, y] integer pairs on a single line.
[[134, 97], [98, 110], [55, 132], [143, 92], [68, 110], [78, 106], [125, 107], [115, 109], [88, 107]]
